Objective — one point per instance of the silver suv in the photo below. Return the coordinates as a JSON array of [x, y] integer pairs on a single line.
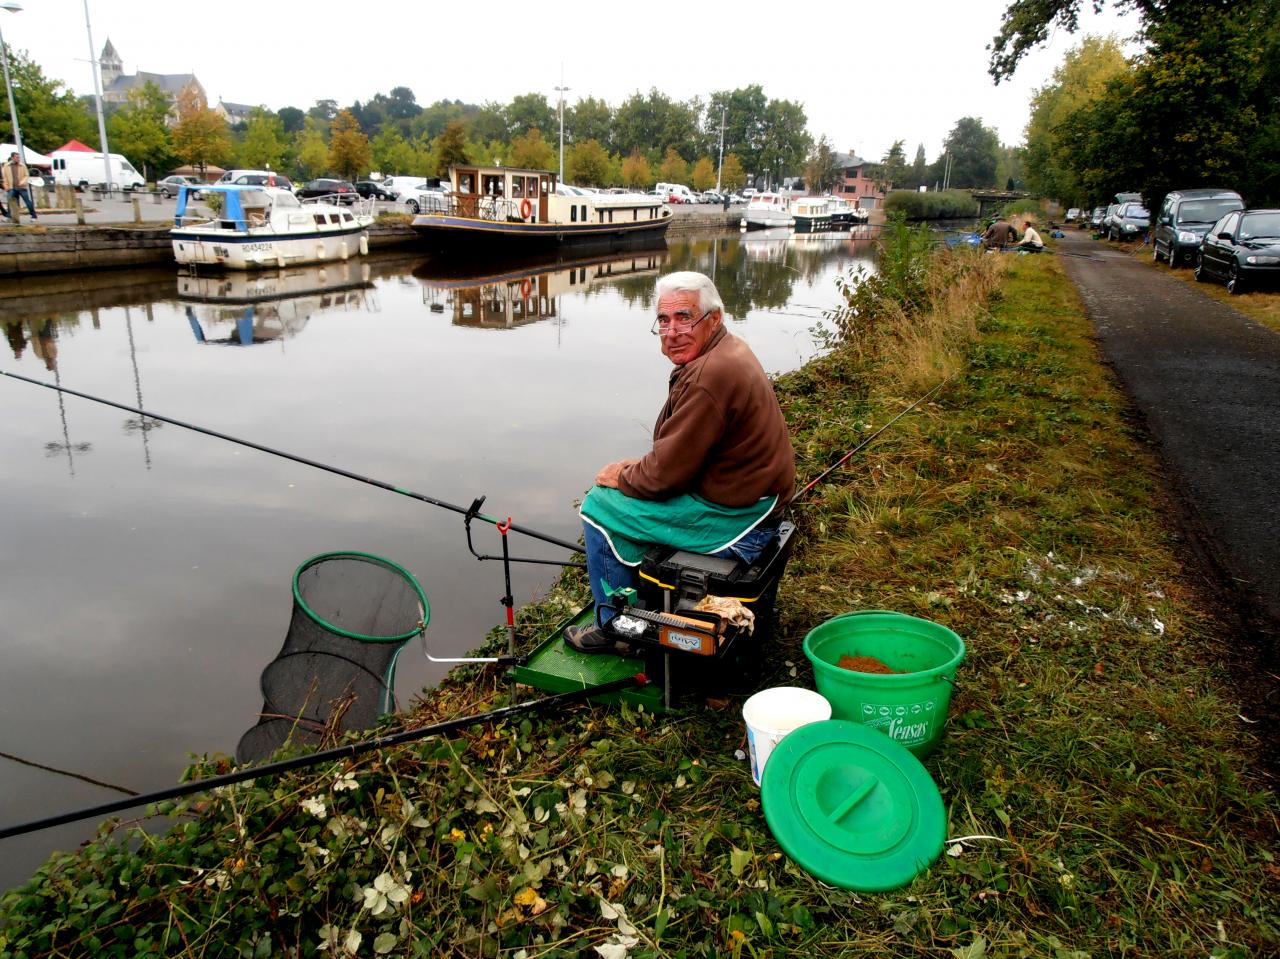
[[1184, 218]]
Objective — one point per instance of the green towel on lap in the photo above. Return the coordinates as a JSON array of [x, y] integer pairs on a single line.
[[685, 522]]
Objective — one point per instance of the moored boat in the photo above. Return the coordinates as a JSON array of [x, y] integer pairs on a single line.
[[767, 210], [257, 227], [812, 214], [514, 211]]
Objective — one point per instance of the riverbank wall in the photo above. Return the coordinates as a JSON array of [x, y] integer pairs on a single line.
[[59, 249]]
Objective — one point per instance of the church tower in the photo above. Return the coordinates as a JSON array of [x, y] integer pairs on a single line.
[[111, 65]]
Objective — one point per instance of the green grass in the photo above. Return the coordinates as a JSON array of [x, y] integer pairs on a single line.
[[1091, 730]]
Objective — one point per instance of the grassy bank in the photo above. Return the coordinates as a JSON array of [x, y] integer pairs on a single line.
[[1091, 732]]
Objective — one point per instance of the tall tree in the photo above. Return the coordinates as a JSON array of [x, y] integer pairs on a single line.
[[589, 119], [785, 142], [264, 145], [292, 119], [139, 130], [201, 136], [48, 114], [743, 112], [451, 145], [531, 111], [972, 148], [1052, 155], [703, 175], [393, 155], [349, 150], [587, 163], [673, 168], [732, 176], [532, 152], [822, 170], [636, 171], [893, 167], [653, 121], [310, 151]]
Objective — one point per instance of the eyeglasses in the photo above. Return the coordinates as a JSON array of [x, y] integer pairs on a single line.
[[677, 324]]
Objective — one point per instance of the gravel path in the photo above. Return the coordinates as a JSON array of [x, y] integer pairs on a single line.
[[1205, 381]]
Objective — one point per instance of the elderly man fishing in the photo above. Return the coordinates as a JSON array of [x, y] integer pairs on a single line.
[[720, 473]]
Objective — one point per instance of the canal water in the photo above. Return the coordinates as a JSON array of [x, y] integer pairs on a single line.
[[146, 570]]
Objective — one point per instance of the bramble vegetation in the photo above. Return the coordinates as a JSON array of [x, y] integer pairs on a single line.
[[935, 205], [1095, 768]]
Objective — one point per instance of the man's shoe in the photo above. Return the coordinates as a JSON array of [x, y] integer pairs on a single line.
[[592, 639]]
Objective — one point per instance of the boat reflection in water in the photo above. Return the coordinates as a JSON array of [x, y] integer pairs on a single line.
[[774, 244], [269, 306], [515, 293]]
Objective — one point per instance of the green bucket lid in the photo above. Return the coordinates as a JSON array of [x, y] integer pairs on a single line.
[[852, 807]]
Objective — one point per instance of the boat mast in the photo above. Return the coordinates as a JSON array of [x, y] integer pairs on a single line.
[[562, 90], [720, 168]]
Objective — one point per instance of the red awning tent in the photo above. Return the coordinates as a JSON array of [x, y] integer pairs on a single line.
[[77, 146]]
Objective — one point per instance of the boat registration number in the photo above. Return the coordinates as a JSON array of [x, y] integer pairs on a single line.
[[260, 247]]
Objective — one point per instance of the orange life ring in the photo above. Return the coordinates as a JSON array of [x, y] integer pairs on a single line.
[[526, 287], [525, 209]]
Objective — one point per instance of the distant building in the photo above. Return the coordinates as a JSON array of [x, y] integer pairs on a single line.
[[117, 85], [234, 113], [858, 186]]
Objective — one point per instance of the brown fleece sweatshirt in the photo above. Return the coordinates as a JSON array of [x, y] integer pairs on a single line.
[[720, 435]]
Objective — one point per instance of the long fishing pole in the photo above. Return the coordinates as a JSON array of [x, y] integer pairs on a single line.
[[868, 441], [421, 497], [347, 751]]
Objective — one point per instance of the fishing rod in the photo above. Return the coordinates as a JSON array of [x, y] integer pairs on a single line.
[[868, 441], [347, 751], [470, 513]]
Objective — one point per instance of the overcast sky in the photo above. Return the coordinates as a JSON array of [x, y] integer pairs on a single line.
[[866, 73]]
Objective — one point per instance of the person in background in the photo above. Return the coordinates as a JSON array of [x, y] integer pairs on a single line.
[[1031, 241], [16, 186], [999, 234], [721, 470]]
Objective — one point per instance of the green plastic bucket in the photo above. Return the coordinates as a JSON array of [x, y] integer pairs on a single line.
[[908, 705]]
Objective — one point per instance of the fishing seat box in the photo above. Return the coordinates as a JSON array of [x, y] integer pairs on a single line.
[[673, 580]]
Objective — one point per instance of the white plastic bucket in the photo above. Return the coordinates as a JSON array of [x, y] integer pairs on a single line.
[[772, 713]]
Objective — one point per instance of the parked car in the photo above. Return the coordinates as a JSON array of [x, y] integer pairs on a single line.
[[711, 196], [425, 197], [1241, 249], [373, 190], [169, 185], [340, 190], [398, 186], [278, 180], [736, 198], [1073, 214], [1184, 218], [1095, 218], [1129, 222], [1108, 217]]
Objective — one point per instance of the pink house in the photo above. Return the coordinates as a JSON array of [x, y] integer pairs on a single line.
[[858, 186]]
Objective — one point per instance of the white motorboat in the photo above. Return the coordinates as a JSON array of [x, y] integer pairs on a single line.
[[767, 210], [812, 214], [259, 227]]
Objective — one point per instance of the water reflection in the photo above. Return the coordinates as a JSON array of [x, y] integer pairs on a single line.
[[520, 293], [271, 306], [177, 544]]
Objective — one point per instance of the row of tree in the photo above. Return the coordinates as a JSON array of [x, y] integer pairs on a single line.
[[647, 138], [1197, 107]]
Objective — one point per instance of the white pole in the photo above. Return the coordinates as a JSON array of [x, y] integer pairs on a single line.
[[723, 112], [13, 110], [97, 96], [562, 90]]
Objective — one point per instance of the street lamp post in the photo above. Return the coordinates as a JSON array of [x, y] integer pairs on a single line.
[[97, 95], [13, 110], [562, 90]]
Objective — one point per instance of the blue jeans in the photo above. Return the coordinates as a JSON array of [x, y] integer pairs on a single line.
[[603, 565], [25, 194]]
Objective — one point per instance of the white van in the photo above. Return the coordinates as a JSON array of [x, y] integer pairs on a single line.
[[80, 169], [676, 193]]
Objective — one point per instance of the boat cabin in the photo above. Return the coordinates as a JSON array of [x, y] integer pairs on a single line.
[[248, 207], [515, 195]]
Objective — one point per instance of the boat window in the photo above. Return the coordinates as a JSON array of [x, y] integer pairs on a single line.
[[532, 186], [573, 214], [334, 218], [584, 213], [286, 199], [517, 188], [465, 183], [347, 218], [319, 218]]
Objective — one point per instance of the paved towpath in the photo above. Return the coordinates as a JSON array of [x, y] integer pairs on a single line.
[[1206, 381]]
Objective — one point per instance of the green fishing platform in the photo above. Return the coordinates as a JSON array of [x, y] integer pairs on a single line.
[[558, 668]]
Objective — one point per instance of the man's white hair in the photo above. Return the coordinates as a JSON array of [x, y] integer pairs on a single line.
[[686, 281]]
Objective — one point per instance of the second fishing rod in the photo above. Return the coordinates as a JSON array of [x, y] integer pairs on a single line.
[[469, 513]]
